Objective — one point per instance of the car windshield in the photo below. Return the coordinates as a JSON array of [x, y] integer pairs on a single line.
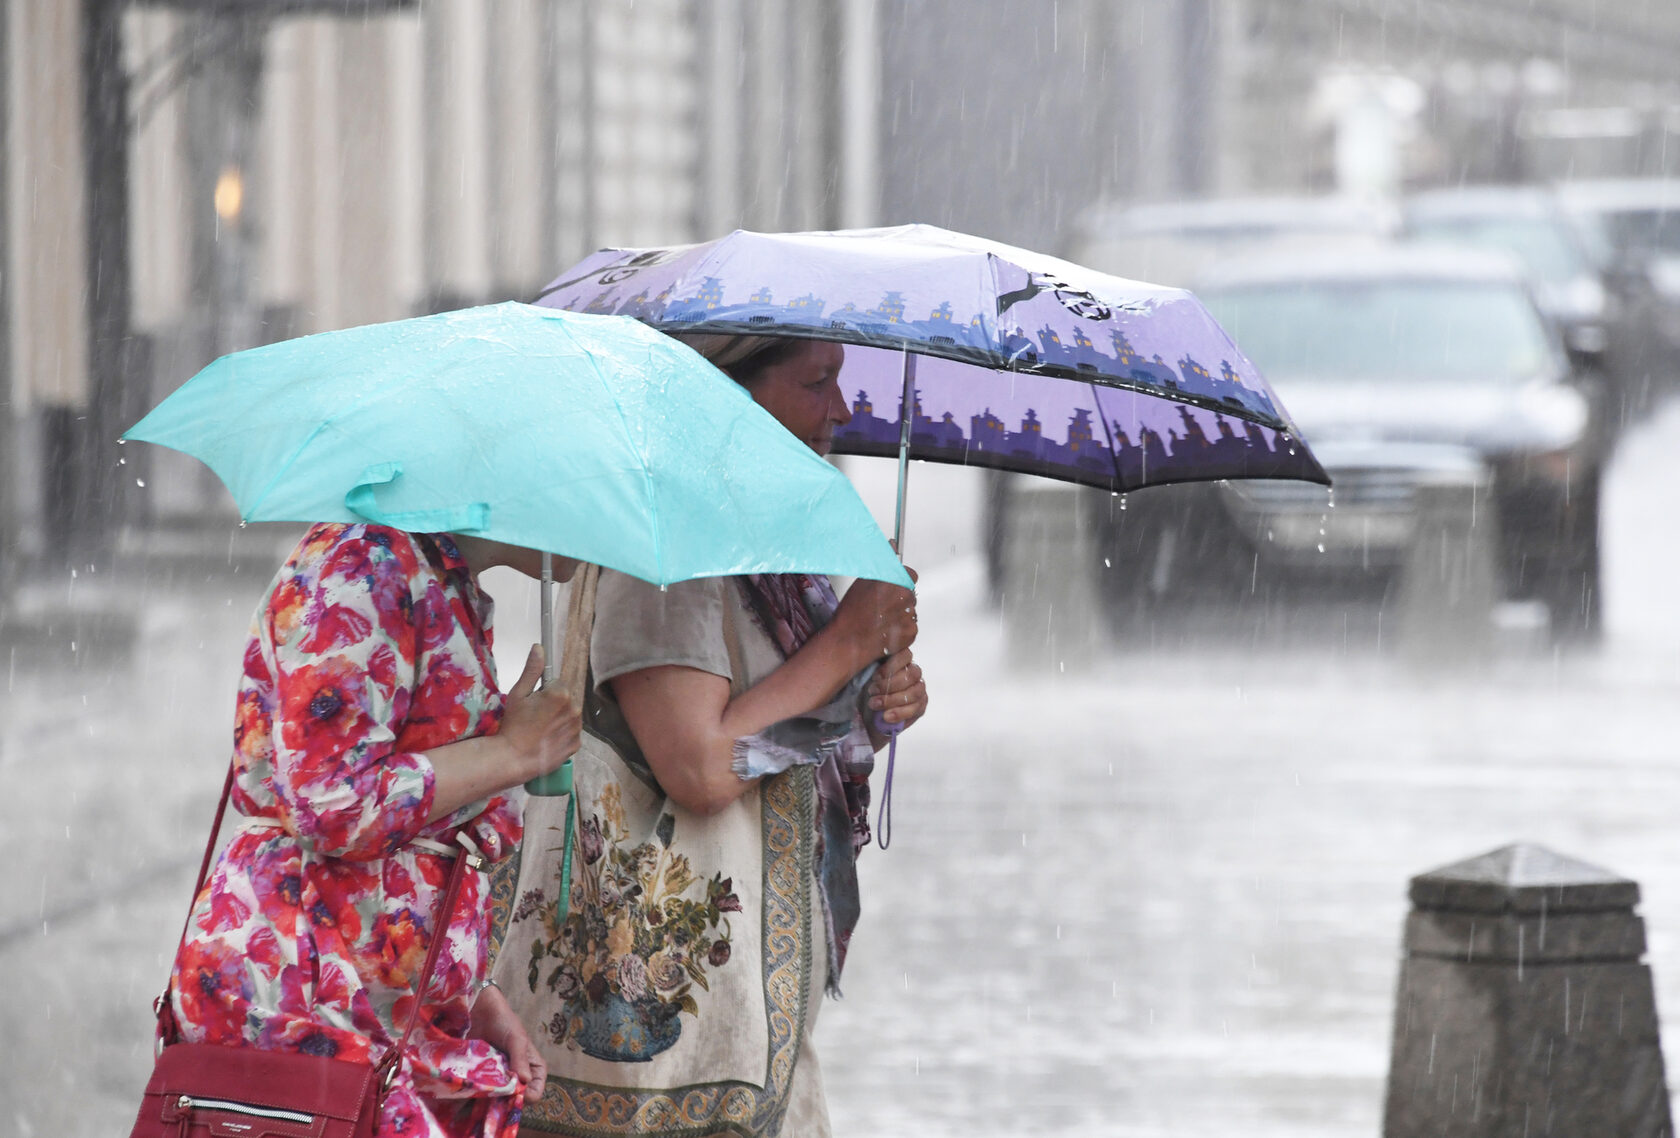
[[1385, 331], [1543, 246]]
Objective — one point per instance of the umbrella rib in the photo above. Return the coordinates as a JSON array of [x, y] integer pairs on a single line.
[[641, 459], [284, 467], [1108, 433]]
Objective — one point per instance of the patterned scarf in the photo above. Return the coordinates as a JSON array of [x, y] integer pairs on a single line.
[[833, 738]]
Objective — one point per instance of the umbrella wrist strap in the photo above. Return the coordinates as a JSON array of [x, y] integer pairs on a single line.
[[883, 819]]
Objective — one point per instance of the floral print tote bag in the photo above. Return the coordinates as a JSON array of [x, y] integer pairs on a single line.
[[670, 998]]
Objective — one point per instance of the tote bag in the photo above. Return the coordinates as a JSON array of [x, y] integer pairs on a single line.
[[669, 995]]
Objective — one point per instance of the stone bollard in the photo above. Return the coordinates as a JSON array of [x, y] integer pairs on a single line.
[[1523, 1008], [1049, 589], [1449, 582]]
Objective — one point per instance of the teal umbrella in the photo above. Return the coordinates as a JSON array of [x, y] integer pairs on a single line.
[[593, 437]]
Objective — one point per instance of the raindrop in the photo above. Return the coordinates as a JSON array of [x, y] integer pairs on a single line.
[[122, 442], [1122, 501], [242, 523], [1321, 547], [140, 482], [122, 462], [1107, 564]]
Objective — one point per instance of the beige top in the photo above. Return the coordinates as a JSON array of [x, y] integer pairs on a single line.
[[638, 625]]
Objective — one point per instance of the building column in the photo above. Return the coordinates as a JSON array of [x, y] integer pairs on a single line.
[[377, 124], [520, 261], [46, 245], [457, 262], [721, 70], [859, 114], [767, 116], [10, 467]]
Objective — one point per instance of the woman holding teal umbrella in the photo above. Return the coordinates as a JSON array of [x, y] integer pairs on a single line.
[[369, 735], [369, 731]]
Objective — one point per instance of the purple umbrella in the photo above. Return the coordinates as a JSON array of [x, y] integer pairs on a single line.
[[1004, 358], [968, 351]]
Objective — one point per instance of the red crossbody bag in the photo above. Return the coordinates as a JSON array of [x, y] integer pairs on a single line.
[[209, 1090]]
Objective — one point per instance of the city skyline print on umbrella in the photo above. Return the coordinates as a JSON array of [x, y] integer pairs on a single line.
[[976, 353]]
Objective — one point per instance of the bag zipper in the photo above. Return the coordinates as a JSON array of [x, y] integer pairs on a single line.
[[187, 1102]]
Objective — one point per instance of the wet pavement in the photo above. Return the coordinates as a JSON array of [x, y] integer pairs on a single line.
[[1160, 897]]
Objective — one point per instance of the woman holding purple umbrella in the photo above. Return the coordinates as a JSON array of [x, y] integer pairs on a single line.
[[824, 679]]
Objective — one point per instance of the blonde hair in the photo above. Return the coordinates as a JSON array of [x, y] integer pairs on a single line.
[[741, 358]]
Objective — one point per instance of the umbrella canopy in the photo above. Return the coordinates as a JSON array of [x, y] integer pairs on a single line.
[[1021, 361], [592, 437]]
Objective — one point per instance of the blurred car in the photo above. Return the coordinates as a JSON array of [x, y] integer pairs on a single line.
[[1171, 243], [1401, 365], [1529, 223], [1633, 228]]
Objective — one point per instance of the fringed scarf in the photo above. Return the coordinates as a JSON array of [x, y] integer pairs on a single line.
[[833, 738]]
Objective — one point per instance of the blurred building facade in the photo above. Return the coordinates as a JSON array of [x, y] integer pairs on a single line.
[[287, 166], [1007, 117], [301, 166]]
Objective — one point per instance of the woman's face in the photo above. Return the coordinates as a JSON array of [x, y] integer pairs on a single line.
[[803, 392]]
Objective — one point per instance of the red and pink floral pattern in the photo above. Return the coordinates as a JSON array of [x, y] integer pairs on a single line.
[[316, 920]]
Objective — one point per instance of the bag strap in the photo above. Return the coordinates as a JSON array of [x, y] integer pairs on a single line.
[[467, 857], [580, 624], [168, 1028], [732, 645]]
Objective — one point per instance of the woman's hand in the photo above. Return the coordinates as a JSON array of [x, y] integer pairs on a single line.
[[877, 619], [898, 691], [541, 729], [494, 1021]]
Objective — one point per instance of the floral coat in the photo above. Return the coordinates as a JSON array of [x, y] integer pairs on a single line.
[[316, 920]]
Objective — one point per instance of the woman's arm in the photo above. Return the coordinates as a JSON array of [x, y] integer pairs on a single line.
[[539, 731], [687, 725], [341, 652]]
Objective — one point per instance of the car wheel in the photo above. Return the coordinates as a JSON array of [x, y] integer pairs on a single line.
[[1571, 584], [1161, 548]]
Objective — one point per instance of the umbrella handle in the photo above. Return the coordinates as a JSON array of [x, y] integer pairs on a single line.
[[907, 411], [469, 517]]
